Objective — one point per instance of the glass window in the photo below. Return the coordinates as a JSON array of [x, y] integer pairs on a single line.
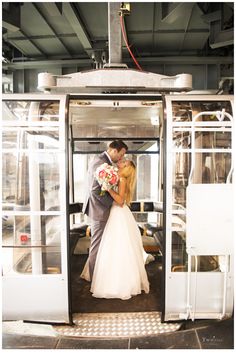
[[30, 175], [24, 138], [30, 110], [203, 139], [31, 244], [213, 139], [181, 170], [181, 139], [212, 166], [146, 158], [179, 257], [32, 167], [185, 111], [178, 253]]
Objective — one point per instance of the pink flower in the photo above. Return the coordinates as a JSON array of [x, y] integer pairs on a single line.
[[107, 177], [113, 180], [102, 174]]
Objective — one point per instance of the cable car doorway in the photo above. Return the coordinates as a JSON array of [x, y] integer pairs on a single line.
[[94, 123]]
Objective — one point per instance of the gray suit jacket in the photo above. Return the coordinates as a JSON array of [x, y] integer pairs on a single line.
[[95, 206]]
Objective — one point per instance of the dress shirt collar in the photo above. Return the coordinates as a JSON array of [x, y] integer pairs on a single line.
[[108, 157]]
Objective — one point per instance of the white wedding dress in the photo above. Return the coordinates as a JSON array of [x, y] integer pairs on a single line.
[[119, 270]]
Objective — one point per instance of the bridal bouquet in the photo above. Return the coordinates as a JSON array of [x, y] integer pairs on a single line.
[[107, 177]]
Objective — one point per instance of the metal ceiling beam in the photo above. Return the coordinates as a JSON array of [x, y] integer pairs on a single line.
[[190, 12], [25, 36], [75, 22], [187, 60], [44, 36], [223, 38], [168, 12], [49, 25], [46, 63], [169, 60], [104, 39], [218, 37], [53, 8], [212, 16], [203, 7]]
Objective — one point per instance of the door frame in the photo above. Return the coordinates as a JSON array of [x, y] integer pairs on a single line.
[[132, 97]]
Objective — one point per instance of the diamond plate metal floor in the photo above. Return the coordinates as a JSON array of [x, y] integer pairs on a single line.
[[117, 325]]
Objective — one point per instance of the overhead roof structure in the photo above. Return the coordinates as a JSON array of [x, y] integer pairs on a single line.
[[38, 34]]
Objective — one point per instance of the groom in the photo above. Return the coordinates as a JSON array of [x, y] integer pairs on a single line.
[[98, 207]]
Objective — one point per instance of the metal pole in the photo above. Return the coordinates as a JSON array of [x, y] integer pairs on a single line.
[[114, 33], [34, 189]]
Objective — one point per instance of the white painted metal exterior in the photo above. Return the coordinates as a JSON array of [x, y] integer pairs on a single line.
[[37, 296], [210, 212], [42, 297], [110, 79], [194, 294]]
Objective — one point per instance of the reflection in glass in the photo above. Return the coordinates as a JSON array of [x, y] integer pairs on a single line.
[[179, 257], [212, 166], [44, 167], [181, 139], [185, 111], [178, 253], [28, 250], [31, 165], [30, 110], [181, 170], [213, 139], [23, 138], [209, 168], [207, 263]]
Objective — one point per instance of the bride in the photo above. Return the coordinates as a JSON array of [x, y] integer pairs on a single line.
[[120, 265]]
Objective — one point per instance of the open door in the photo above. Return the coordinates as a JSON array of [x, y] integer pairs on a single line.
[[198, 207], [34, 208], [94, 123]]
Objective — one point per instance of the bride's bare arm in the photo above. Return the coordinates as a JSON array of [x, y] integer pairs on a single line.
[[120, 196]]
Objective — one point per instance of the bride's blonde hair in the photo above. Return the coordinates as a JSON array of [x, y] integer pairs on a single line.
[[129, 172]]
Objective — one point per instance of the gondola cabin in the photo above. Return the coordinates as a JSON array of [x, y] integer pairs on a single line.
[[183, 147]]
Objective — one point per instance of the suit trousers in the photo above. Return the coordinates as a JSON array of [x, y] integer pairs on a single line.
[[97, 228]]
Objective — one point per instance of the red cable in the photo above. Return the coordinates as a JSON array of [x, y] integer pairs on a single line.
[[126, 43]]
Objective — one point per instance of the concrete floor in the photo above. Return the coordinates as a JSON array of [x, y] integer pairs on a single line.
[[198, 335]]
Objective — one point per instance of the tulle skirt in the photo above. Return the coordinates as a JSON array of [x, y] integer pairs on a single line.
[[119, 270]]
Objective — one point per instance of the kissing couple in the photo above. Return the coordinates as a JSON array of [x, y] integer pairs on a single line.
[[116, 262]]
